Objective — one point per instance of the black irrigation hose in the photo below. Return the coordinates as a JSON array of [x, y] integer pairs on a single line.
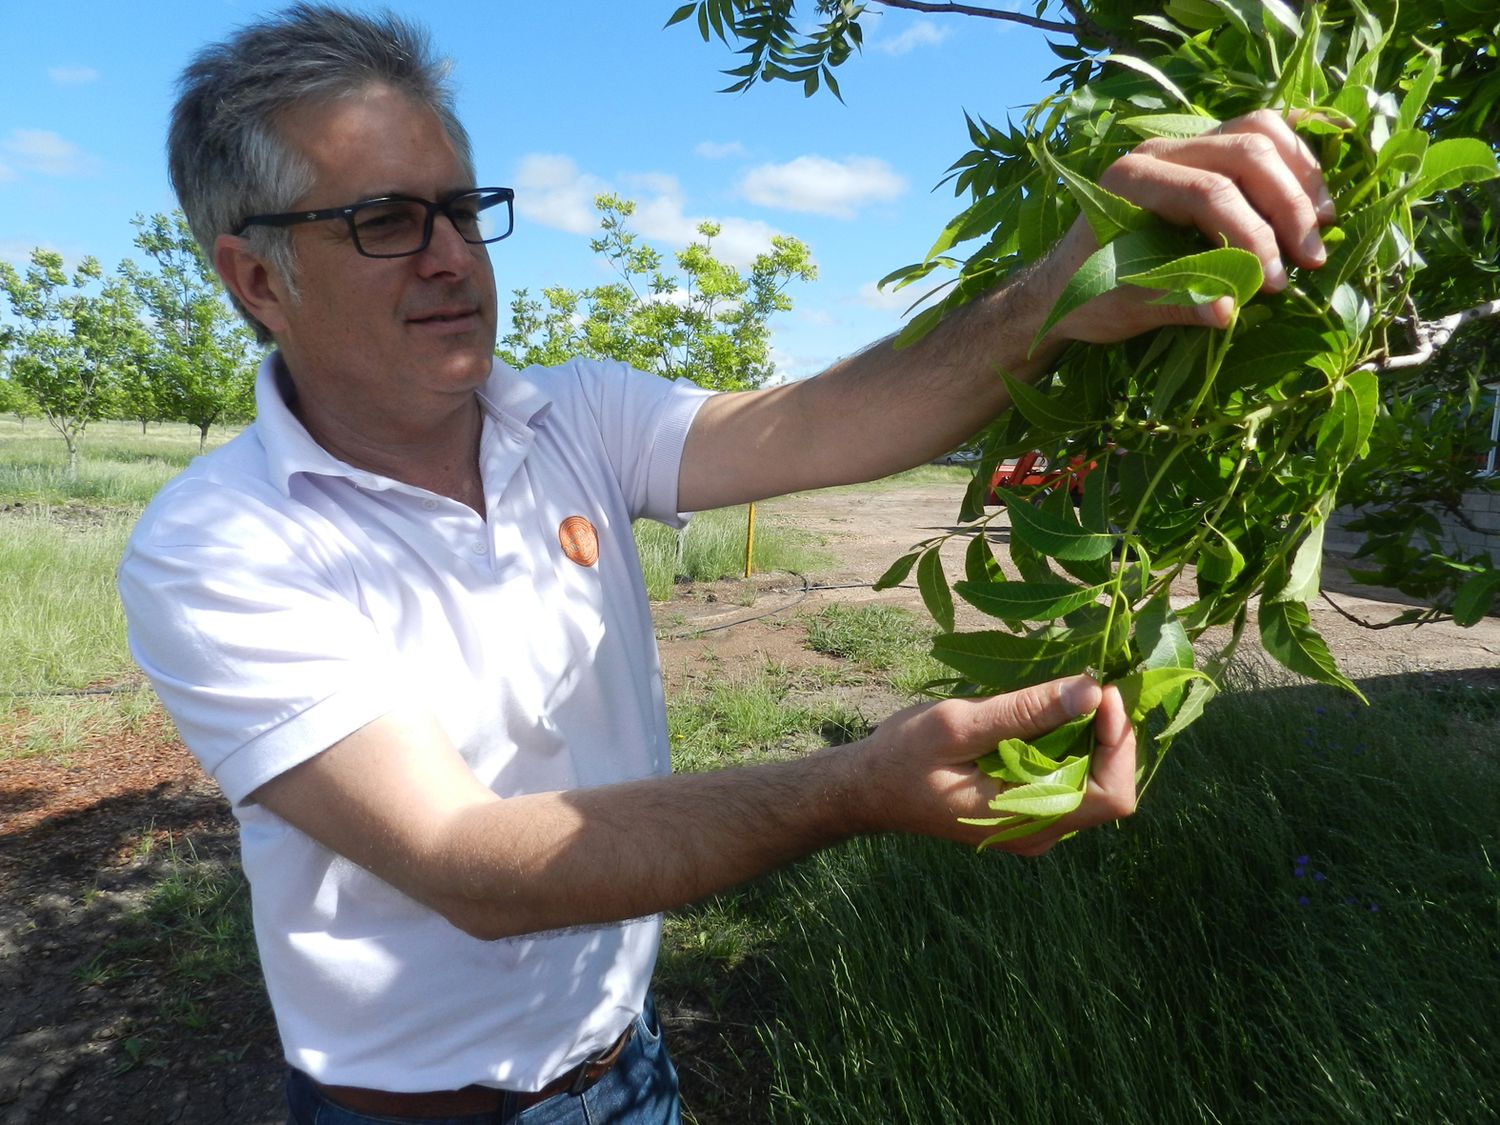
[[807, 588]]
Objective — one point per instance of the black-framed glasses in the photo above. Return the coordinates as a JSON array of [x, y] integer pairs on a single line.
[[395, 226]]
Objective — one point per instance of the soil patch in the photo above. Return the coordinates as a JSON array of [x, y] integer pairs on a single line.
[[102, 1022]]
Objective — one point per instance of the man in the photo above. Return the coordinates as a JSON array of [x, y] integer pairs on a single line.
[[401, 622]]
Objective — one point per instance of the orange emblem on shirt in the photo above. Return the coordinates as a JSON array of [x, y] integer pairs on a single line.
[[580, 542]]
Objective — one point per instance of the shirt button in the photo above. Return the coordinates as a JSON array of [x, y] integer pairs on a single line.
[[429, 503], [478, 548]]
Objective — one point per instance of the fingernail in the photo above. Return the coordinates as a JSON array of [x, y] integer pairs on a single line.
[[1079, 695], [1275, 275], [1327, 212], [1313, 249]]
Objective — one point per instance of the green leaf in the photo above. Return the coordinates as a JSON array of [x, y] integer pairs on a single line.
[[1287, 634], [1006, 661], [1415, 99], [1461, 160], [1162, 640], [1266, 354], [1178, 126], [933, 584], [1220, 561], [1146, 690], [681, 14], [1040, 799], [1054, 536], [1140, 66], [897, 572], [1073, 737], [1199, 278], [979, 560], [1027, 601], [1198, 693], [1047, 418], [1476, 597], [1107, 214], [1304, 578]]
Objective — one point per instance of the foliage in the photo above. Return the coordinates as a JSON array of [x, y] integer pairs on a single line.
[[201, 367], [68, 341], [710, 325], [1234, 443]]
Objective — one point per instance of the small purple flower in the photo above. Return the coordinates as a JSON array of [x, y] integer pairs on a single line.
[[1299, 872], [1301, 860], [1302, 900], [1318, 876], [1374, 908]]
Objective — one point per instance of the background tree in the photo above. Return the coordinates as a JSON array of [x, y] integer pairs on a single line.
[[1239, 442], [64, 342], [201, 366], [707, 322]]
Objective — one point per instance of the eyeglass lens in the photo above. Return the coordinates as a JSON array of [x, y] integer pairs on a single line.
[[398, 227]]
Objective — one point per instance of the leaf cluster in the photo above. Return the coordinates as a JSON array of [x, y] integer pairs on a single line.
[[1209, 458], [705, 321]]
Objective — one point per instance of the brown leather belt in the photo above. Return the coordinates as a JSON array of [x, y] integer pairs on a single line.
[[477, 1099]]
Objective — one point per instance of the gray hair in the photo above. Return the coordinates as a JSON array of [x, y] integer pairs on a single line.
[[225, 152]]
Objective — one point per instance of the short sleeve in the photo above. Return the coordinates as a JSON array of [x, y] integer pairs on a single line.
[[253, 639], [642, 421]]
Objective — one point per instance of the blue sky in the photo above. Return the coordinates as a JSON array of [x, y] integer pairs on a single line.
[[564, 99]]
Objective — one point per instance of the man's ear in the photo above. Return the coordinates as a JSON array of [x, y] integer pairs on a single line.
[[248, 277]]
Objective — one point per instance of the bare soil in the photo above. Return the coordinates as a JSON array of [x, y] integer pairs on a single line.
[[98, 1024]]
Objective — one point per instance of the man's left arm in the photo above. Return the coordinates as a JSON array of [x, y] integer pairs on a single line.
[[1252, 183]]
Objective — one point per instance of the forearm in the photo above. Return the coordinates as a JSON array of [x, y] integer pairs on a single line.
[[874, 413], [599, 855]]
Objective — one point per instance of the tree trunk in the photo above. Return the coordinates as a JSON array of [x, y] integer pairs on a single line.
[[203, 437], [72, 456]]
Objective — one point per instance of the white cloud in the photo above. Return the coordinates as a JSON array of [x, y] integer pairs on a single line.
[[716, 150], [36, 150], [822, 186], [72, 75], [923, 33], [552, 191]]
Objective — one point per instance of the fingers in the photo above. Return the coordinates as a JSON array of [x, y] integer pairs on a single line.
[[1252, 182]]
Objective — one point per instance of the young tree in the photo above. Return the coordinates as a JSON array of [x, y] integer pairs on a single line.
[[710, 324], [66, 342], [1239, 443], [203, 358]]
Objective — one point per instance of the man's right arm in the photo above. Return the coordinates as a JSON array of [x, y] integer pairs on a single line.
[[396, 798]]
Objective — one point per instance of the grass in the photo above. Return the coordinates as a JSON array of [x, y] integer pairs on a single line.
[[60, 621], [884, 639], [118, 465], [1295, 929], [713, 547]]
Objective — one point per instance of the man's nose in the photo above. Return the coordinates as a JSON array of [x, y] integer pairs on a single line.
[[446, 251]]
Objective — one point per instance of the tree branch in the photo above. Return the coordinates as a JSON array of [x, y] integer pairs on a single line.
[[985, 13], [1431, 336]]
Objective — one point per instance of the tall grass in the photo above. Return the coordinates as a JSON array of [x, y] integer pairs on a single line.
[[713, 546], [60, 620], [118, 466], [1299, 926]]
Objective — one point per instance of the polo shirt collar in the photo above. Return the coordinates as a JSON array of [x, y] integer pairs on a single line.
[[508, 398]]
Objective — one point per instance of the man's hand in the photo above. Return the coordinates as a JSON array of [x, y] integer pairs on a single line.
[[921, 761], [1252, 183]]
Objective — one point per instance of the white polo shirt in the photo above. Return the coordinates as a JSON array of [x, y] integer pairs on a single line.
[[279, 599]]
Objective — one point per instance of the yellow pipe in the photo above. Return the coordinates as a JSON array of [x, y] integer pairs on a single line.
[[749, 540]]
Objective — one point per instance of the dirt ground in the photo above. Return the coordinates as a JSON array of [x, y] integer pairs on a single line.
[[89, 1036]]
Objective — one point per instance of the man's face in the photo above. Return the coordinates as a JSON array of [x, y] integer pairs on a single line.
[[384, 334]]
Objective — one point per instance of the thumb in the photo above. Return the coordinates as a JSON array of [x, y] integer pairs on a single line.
[[1030, 711]]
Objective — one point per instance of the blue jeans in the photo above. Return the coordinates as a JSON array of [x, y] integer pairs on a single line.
[[640, 1089]]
